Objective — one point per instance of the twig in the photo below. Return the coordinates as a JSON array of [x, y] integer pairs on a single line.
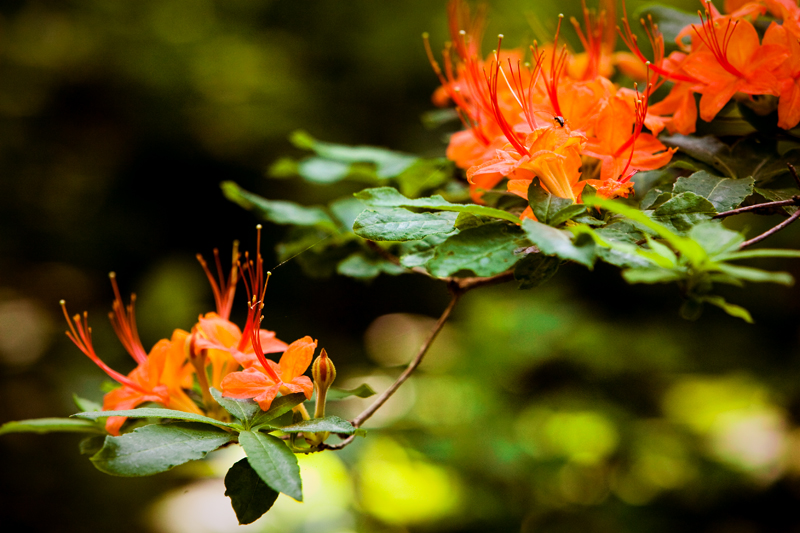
[[793, 173], [377, 404], [771, 231], [794, 200]]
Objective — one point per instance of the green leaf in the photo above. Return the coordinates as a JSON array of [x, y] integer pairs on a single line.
[[716, 238], [365, 266], [652, 275], [250, 496], [331, 424], [764, 252], [723, 193], [552, 241], [346, 210], [279, 406], [550, 209], [244, 410], [484, 250], [390, 197], [756, 275], [732, 309], [400, 224], [150, 412], [621, 233], [424, 175], [418, 253], [388, 163], [535, 269], [683, 211], [156, 448], [654, 198], [362, 391], [274, 463], [92, 444], [323, 171], [86, 405], [777, 195], [48, 425], [279, 211]]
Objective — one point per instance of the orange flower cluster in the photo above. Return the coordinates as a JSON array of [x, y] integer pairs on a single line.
[[211, 354], [559, 117], [721, 58]]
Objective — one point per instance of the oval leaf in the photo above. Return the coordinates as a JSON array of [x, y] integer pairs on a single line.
[[48, 425], [402, 225], [150, 412], [156, 448], [250, 496], [331, 424], [274, 463]]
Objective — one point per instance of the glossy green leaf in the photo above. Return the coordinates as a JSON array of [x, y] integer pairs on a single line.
[[402, 225], [723, 193], [485, 250], [550, 209], [362, 391], [150, 412], [280, 405], [244, 410], [274, 462], [390, 197], [49, 425], [418, 253], [330, 424], [683, 211], [535, 269], [623, 233], [279, 211], [552, 241], [156, 448], [777, 195], [250, 496]]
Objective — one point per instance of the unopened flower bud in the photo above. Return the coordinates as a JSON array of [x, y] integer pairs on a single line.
[[324, 373]]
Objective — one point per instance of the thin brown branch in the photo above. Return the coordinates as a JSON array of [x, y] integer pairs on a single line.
[[794, 200], [772, 231], [793, 173]]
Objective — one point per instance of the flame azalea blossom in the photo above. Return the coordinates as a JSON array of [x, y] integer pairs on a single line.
[[788, 75], [159, 377], [264, 380]]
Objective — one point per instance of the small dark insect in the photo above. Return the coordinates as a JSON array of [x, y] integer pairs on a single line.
[[561, 121]]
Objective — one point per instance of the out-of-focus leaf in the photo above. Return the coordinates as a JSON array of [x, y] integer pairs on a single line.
[[651, 275], [400, 224], [362, 391], [484, 250], [346, 210], [86, 405], [274, 463], [365, 266], [156, 448], [716, 238], [390, 197], [279, 211], [323, 171], [764, 252], [732, 309], [48, 425], [424, 175], [535, 269], [552, 241], [621, 233], [724, 193], [670, 21], [388, 163], [756, 275], [250, 496]]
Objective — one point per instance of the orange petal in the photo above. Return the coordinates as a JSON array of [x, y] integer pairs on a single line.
[[296, 358]]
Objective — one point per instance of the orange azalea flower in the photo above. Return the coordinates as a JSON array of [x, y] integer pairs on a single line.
[[618, 148], [159, 376], [788, 75], [265, 379], [731, 60]]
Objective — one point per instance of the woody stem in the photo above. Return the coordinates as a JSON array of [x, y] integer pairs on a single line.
[[767, 233]]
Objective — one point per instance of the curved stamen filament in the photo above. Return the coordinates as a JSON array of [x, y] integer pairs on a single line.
[[717, 46], [123, 320]]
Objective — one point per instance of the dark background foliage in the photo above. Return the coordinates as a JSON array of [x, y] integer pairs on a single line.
[[118, 121]]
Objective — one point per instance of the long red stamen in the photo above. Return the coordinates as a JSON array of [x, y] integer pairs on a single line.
[[522, 94], [255, 338], [641, 104], [123, 320], [81, 335], [710, 38], [224, 289], [558, 62], [502, 123]]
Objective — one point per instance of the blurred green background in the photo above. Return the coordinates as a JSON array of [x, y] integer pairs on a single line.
[[586, 405]]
